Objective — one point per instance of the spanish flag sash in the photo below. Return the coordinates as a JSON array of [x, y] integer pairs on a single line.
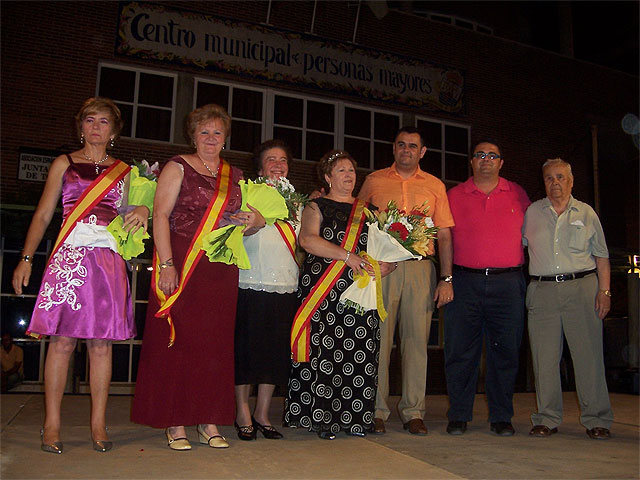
[[90, 198], [288, 234], [95, 192], [301, 328], [209, 222]]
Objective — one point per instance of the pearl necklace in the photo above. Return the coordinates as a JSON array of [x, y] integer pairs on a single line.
[[88, 158], [213, 174]]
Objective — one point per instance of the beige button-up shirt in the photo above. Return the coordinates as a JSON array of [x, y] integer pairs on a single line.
[[565, 243]]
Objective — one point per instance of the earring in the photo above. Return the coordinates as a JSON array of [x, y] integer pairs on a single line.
[[82, 139], [223, 145], [112, 143], [329, 185]]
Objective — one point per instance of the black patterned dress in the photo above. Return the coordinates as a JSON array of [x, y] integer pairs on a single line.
[[336, 389]]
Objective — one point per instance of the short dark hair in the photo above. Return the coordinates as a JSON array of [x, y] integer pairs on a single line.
[[268, 145], [411, 130], [485, 140], [327, 162]]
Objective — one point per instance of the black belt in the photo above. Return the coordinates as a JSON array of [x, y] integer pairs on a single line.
[[488, 271], [563, 277]]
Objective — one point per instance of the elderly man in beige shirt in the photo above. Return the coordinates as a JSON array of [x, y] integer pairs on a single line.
[[569, 293]]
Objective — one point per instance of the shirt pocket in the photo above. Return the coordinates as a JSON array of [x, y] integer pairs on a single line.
[[578, 238]]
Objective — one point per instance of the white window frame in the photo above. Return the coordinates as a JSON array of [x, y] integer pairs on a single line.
[[135, 104], [443, 152]]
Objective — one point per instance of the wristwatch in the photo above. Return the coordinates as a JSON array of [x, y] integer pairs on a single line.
[[447, 278]]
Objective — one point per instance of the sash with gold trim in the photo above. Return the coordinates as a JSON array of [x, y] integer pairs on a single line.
[[209, 222], [301, 328], [93, 194], [288, 234]]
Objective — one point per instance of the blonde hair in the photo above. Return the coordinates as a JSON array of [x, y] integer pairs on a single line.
[[93, 105], [205, 114]]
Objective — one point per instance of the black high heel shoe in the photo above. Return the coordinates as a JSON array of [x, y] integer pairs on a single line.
[[268, 431], [245, 432], [327, 435]]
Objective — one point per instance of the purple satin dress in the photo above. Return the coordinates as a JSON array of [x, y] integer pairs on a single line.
[[85, 289]]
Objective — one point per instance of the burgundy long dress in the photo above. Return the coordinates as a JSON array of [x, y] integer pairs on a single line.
[[193, 381]]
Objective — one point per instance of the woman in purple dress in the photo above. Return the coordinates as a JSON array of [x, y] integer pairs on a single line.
[[85, 289]]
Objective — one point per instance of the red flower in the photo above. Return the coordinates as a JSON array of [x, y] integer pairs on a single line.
[[417, 213], [401, 229]]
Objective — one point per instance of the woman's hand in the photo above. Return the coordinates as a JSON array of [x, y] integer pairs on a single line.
[[168, 281], [136, 219], [21, 276], [253, 220], [358, 264], [387, 267]]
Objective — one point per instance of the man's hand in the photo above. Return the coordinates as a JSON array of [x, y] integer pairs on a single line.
[[444, 293], [603, 304]]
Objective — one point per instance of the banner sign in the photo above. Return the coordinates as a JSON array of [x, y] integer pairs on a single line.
[[152, 31], [34, 164]]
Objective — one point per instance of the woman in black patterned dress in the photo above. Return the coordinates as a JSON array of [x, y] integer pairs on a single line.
[[335, 390]]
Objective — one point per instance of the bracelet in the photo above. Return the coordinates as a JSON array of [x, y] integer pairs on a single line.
[[348, 255], [606, 292], [27, 258], [166, 264]]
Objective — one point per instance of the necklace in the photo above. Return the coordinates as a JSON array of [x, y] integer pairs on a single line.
[[213, 174], [88, 158]]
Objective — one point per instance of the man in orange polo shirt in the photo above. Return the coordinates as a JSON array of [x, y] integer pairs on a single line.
[[410, 292]]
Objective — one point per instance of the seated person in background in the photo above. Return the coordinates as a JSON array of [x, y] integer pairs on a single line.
[[12, 369]]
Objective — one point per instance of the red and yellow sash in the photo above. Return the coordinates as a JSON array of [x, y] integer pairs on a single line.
[[288, 234], [209, 222], [90, 198], [95, 192], [301, 329]]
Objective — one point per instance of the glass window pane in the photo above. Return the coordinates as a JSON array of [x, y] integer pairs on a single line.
[[357, 122], [287, 111], [155, 90], [140, 316], [293, 138], [153, 124], [432, 133], [456, 167], [455, 139], [432, 163], [244, 136], [247, 104], [135, 360], [117, 84], [127, 118], [320, 116], [382, 155], [359, 149], [120, 362], [317, 145], [16, 313], [143, 280], [212, 93], [31, 356], [385, 126]]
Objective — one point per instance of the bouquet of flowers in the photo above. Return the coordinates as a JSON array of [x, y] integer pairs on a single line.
[[294, 200], [225, 243], [142, 190], [394, 236]]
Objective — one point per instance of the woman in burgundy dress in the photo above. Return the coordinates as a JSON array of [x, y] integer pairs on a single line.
[[85, 287], [192, 303]]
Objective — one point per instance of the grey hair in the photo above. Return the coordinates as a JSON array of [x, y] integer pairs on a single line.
[[558, 161]]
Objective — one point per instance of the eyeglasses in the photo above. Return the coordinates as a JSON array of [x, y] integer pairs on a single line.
[[482, 155]]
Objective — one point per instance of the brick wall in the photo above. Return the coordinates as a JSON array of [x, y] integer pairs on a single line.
[[537, 104]]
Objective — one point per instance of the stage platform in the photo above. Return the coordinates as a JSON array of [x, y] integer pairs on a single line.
[[141, 452]]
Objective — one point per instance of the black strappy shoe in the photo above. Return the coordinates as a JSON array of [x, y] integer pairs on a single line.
[[268, 431]]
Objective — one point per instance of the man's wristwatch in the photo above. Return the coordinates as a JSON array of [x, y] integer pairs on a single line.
[[447, 278], [606, 292]]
